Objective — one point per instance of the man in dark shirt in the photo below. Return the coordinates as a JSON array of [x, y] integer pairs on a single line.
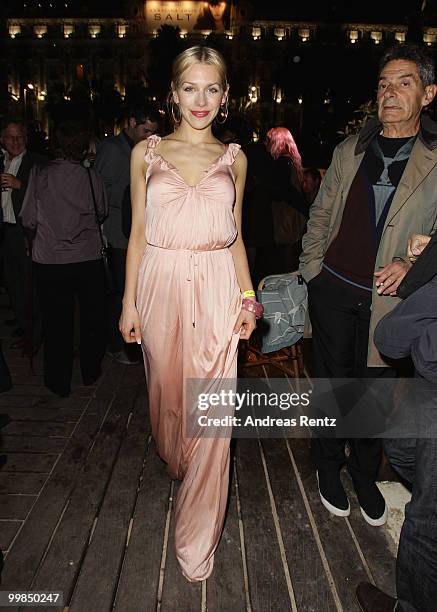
[[17, 164], [5, 376], [411, 330], [380, 188], [113, 163]]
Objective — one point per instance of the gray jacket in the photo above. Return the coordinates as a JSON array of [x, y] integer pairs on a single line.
[[113, 164], [412, 211], [411, 329]]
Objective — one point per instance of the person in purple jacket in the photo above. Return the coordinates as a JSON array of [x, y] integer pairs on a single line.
[[59, 211]]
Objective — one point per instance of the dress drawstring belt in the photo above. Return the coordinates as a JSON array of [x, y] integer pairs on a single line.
[[191, 273]]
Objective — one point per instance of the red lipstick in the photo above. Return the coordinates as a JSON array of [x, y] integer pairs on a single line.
[[200, 114]]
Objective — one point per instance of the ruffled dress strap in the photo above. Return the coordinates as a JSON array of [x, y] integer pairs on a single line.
[[232, 152], [150, 155], [227, 158]]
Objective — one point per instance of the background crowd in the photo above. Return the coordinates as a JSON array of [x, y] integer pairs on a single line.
[[50, 245]]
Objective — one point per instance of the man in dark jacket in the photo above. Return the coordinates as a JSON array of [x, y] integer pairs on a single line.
[[411, 329], [113, 164], [5, 376], [18, 162]]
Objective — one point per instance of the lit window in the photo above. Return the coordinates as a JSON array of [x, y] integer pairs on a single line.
[[353, 36], [94, 30], [68, 30], [121, 30], [429, 39], [256, 33], [14, 30], [304, 34], [253, 93], [280, 33], [40, 30], [376, 37]]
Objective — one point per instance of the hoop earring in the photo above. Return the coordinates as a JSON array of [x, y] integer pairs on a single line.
[[171, 107], [174, 106], [223, 112]]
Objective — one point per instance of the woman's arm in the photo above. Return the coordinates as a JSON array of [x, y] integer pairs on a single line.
[[238, 249], [129, 320], [246, 320]]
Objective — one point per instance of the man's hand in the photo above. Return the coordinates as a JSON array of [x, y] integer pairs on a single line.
[[416, 244], [390, 277], [9, 181]]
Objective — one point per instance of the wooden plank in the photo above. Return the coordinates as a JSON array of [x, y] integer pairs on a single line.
[[41, 429], [310, 582], [33, 390], [24, 483], [83, 391], [14, 357], [63, 560], [114, 375], [26, 379], [28, 549], [342, 555], [37, 413], [139, 579], [373, 543], [52, 402], [179, 594], [23, 370], [31, 444], [225, 587], [15, 506], [268, 588], [105, 552], [29, 462], [8, 529]]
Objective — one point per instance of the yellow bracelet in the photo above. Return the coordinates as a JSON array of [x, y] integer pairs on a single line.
[[249, 293]]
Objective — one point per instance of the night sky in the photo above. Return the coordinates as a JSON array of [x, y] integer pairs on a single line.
[[386, 11], [379, 11]]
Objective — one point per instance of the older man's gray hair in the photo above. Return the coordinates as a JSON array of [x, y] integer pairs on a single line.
[[411, 53]]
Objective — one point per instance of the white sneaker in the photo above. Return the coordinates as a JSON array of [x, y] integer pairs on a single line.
[[332, 493]]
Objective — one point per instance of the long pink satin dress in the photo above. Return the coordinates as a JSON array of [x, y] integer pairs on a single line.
[[189, 300]]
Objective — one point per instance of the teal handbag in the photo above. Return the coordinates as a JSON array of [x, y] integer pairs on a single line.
[[285, 301]]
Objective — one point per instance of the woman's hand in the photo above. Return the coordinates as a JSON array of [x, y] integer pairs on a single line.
[[246, 322], [129, 325]]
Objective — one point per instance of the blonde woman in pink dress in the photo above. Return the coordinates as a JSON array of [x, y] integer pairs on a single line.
[[189, 297]]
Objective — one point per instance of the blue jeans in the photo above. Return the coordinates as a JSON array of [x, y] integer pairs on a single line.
[[416, 566]]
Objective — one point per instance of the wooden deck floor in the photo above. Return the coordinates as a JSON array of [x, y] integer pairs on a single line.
[[86, 507]]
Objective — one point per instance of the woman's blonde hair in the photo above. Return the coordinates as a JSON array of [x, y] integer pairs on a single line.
[[196, 55]]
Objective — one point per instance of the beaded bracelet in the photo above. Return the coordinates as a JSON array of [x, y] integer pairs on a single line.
[[254, 307], [249, 293]]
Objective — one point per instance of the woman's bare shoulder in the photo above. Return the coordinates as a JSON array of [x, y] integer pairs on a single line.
[[240, 163], [139, 151], [140, 148]]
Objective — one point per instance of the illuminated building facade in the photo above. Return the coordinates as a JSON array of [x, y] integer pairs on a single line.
[[283, 59]]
